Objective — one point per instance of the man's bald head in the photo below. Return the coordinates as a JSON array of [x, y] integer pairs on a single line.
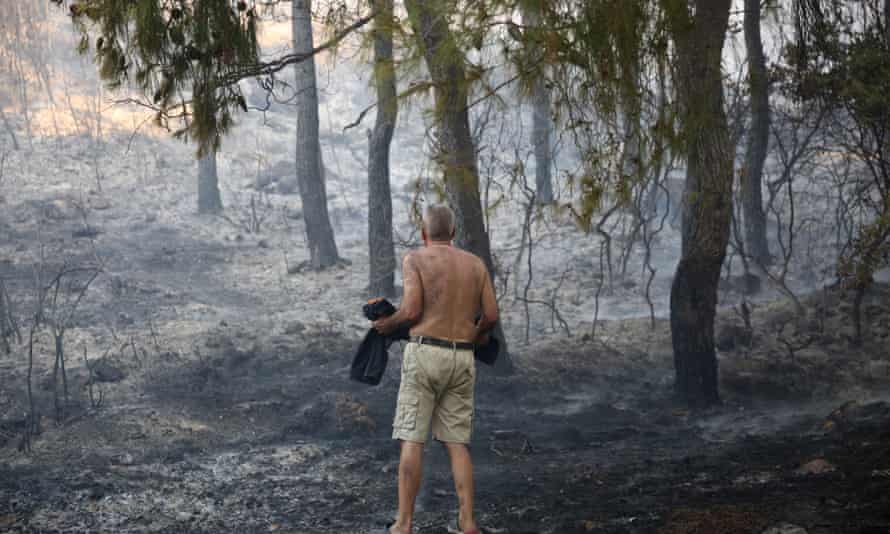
[[438, 223]]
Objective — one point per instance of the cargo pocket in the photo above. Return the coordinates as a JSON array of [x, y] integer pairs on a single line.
[[406, 414]]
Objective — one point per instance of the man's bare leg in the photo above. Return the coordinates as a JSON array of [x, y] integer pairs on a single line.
[[410, 475], [462, 470]]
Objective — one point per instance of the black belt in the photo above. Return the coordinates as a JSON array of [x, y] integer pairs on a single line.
[[436, 342]]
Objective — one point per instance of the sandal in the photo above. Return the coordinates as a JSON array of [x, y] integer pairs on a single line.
[[456, 530]]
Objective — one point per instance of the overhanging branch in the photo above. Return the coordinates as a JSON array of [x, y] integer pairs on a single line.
[[255, 70]]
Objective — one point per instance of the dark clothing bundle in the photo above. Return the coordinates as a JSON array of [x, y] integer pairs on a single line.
[[370, 360]]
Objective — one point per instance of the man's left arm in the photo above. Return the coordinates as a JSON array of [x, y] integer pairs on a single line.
[[411, 308]]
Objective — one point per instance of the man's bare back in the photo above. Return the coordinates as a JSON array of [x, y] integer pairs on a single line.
[[455, 287]]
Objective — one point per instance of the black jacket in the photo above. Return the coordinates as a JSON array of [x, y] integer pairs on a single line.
[[370, 360], [372, 355]]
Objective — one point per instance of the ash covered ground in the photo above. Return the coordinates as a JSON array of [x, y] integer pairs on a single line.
[[226, 405]]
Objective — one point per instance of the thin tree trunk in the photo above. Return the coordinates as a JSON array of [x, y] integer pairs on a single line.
[[887, 22], [542, 125], [7, 329], [758, 139], [631, 154], [706, 221], [658, 155], [632, 151], [10, 130], [381, 253], [319, 234], [456, 153], [22, 79], [209, 200]]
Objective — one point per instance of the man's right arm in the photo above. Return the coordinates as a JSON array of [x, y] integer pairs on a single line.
[[411, 307], [489, 306]]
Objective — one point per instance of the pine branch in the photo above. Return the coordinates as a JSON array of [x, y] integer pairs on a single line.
[[259, 69]]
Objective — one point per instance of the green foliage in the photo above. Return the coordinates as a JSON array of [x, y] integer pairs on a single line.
[[174, 52], [869, 252], [602, 60], [599, 58], [842, 61]]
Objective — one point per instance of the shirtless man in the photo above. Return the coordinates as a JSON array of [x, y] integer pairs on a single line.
[[445, 288]]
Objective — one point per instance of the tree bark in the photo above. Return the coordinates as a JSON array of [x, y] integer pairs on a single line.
[[456, 153], [887, 22], [310, 179], [10, 130], [381, 250], [758, 139], [6, 329], [209, 200], [706, 220], [542, 125]]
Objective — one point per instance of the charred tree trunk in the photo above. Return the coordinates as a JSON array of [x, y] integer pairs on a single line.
[[887, 22], [541, 128], [456, 154], [758, 139], [542, 125], [310, 179], [209, 200], [7, 325], [381, 253], [706, 220]]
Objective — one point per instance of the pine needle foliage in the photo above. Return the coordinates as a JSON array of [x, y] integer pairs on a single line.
[[841, 60], [601, 60], [174, 52]]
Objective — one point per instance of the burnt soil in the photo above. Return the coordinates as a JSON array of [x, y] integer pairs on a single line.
[[266, 439], [226, 405]]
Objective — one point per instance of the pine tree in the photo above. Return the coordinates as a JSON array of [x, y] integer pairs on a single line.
[[456, 152], [758, 139], [595, 52], [841, 62], [381, 248], [173, 49], [310, 168]]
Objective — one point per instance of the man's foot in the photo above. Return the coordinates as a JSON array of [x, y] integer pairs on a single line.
[[395, 528], [474, 529]]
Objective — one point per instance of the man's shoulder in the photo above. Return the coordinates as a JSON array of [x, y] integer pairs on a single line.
[[467, 257], [412, 255], [474, 260], [465, 254]]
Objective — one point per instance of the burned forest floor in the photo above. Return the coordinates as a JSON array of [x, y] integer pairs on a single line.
[[207, 379], [264, 433]]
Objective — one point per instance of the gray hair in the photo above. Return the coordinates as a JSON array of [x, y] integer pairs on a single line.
[[438, 221]]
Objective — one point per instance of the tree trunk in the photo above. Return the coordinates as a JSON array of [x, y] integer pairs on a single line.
[[758, 139], [310, 180], [887, 22], [631, 110], [456, 154], [381, 250], [208, 184], [9, 129], [6, 329], [542, 124], [706, 220]]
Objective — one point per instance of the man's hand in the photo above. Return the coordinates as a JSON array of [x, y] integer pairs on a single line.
[[482, 338], [385, 326]]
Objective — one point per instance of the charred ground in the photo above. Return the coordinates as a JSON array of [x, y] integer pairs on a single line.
[[226, 404], [257, 432]]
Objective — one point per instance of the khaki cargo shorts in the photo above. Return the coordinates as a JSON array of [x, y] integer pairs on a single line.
[[436, 388]]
